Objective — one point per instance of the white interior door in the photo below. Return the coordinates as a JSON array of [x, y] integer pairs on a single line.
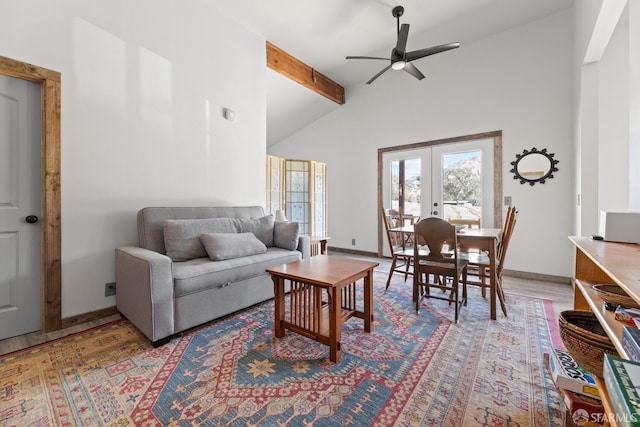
[[456, 180], [19, 206]]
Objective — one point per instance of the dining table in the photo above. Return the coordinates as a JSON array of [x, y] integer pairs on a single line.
[[483, 239]]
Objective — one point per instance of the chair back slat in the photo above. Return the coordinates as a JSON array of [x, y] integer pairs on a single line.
[[393, 239], [509, 225]]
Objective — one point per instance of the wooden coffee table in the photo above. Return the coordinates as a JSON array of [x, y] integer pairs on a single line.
[[322, 297]]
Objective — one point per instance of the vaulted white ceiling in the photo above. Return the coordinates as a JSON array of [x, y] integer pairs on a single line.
[[321, 33]]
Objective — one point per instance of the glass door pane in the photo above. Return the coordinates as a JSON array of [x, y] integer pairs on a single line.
[[406, 190], [319, 175], [297, 193], [395, 186], [412, 186], [462, 186], [402, 188]]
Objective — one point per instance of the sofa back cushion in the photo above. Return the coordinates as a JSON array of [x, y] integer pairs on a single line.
[[151, 220], [262, 228], [285, 235]]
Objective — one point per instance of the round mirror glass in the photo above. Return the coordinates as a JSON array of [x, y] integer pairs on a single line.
[[534, 166]]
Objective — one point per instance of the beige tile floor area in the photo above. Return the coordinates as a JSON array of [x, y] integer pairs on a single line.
[[560, 294]]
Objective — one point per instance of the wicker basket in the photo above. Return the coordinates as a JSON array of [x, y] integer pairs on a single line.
[[615, 295], [585, 339]]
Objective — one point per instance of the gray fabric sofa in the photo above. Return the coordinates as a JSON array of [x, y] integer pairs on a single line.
[[170, 282]]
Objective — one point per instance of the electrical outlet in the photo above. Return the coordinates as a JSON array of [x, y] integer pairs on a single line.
[[109, 289], [353, 242], [507, 200]]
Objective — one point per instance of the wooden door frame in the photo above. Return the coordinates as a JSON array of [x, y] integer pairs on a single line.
[[50, 202], [497, 172]]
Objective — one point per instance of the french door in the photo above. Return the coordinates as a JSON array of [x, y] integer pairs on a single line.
[[449, 181]]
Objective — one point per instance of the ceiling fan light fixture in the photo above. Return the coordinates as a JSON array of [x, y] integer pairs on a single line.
[[398, 65]]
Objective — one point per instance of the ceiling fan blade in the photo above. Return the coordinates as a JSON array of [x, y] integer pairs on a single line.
[[401, 45], [421, 53], [379, 74], [367, 57], [411, 69]]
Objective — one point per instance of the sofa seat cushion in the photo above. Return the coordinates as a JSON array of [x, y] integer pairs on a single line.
[[199, 274]]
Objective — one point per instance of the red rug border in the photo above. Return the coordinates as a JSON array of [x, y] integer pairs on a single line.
[[552, 320]]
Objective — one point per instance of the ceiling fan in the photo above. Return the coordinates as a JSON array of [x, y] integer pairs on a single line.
[[400, 58]]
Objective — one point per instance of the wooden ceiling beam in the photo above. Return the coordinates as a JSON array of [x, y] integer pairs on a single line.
[[287, 65]]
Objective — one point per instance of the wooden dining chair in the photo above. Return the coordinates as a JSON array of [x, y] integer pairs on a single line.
[[438, 258], [465, 222], [401, 256], [479, 262]]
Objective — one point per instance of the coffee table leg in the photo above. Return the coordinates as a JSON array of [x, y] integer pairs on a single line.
[[278, 291], [368, 301], [335, 326]]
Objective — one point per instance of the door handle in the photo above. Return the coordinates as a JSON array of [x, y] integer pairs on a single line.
[[31, 219]]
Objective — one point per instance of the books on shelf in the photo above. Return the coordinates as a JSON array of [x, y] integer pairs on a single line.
[[622, 379], [630, 316], [567, 374], [631, 342], [584, 411]]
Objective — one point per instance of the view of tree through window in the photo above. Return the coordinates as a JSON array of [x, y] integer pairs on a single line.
[[462, 185]]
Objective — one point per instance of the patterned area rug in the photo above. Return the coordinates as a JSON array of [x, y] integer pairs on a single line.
[[412, 370]]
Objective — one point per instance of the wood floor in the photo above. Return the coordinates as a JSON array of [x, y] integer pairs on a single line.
[[560, 294]]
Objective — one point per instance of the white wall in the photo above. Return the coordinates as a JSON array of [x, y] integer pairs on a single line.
[[143, 87], [634, 105], [613, 118], [584, 103], [607, 109], [518, 81]]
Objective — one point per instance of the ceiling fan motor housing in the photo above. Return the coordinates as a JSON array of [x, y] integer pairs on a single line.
[[397, 11]]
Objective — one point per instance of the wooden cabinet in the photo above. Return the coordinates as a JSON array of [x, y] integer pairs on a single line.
[[598, 262]]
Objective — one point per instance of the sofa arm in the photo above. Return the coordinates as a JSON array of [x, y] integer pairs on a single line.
[[304, 246], [144, 291]]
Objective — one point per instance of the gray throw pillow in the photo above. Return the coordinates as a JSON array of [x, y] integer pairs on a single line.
[[221, 246], [182, 236], [262, 228], [285, 235]]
